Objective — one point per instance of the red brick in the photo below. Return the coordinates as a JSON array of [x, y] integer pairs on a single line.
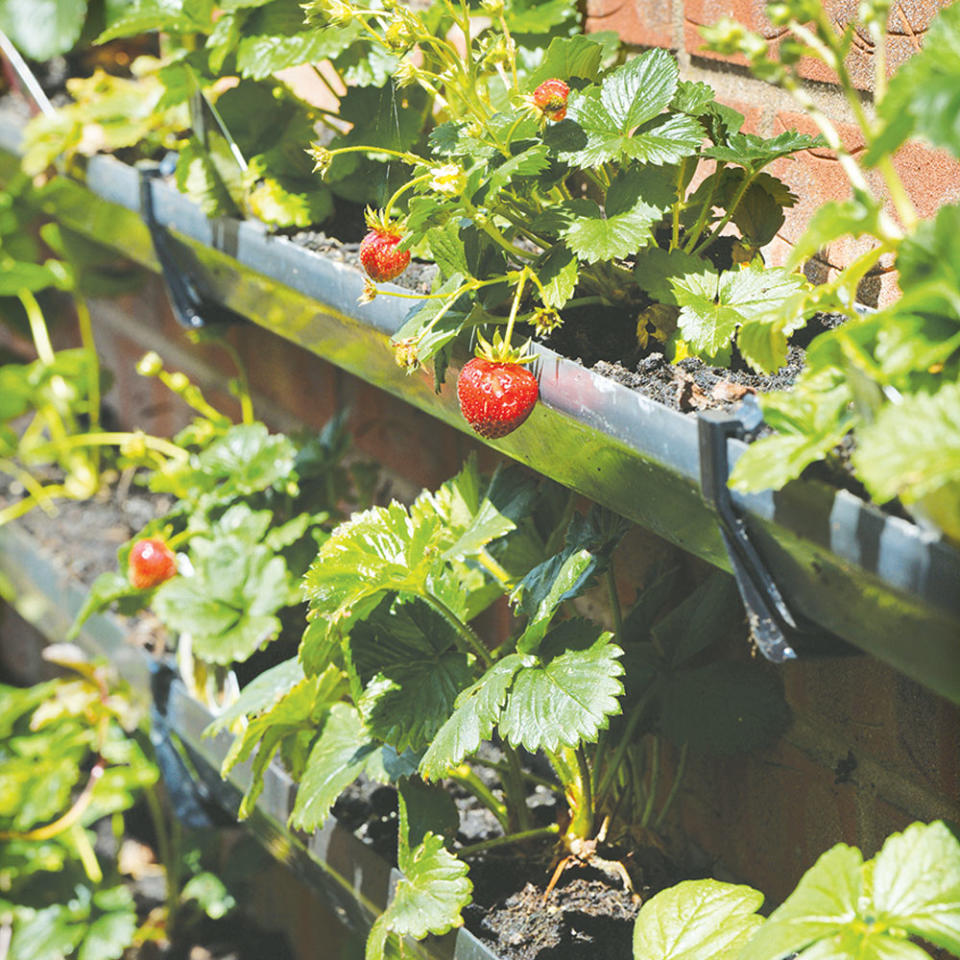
[[701, 13], [931, 178], [643, 23], [907, 25]]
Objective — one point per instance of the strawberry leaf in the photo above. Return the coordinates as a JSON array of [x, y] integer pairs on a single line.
[[342, 752], [636, 200], [823, 904], [895, 459], [429, 897], [559, 272], [566, 57], [697, 920], [630, 97], [567, 693], [406, 658], [395, 550], [588, 544], [228, 604], [916, 884], [477, 712], [708, 320], [924, 96], [290, 721], [753, 152], [274, 39]]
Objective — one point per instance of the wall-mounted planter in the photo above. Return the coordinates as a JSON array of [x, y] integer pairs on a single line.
[[876, 581], [346, 874]]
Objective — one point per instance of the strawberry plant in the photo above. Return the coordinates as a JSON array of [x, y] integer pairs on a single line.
[[886, 378], [51, 439], [563, 189], [69, 760], [240, 145], [221, 568], [76, 759], [393, 680], [844, 907]]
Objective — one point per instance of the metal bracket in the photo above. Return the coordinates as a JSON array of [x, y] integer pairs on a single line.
[[776, 631], [191, 308], [191, 799]]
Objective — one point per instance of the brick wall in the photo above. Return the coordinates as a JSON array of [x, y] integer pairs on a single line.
[[930, 176]]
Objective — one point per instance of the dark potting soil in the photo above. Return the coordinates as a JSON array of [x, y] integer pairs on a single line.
[[603, 341]]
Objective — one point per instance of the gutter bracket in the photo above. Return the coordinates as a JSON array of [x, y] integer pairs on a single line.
[[775, 630], [191, 800], [191, 308]]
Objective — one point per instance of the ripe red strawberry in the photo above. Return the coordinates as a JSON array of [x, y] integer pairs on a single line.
[[551, 98], [378, 249], [495, 398], [151, 563]]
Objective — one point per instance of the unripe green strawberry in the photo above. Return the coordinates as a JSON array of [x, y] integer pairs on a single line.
[[495, 398], [151, 563], [551, 98]]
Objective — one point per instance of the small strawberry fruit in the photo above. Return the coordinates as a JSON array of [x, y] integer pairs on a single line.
[[378, 249], [151, 563], [495, 398], [551, 99]]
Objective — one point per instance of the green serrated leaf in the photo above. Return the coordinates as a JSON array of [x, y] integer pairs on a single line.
[[43, 29], [383, 549], [692, 97], [630, 96], [567, 57], [568, 694], [771, 462], [477, 712], [342, 752], [275, 38], [916, 884], [709, 323], [895, 458], [697, 920], [824, 902], [660, 273], [444, 329], [754, 152], [924, 95], [428, 899], [447, 249], [636, 200], [407, 660], [559, 272]]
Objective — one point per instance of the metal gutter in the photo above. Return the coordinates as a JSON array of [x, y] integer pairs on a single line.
[[348, 875], [882, 584]]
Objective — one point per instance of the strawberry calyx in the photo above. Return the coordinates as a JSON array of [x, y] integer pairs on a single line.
[[379, 222], [500, 350]]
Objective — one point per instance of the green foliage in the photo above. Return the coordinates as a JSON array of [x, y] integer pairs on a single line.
[[697, 920], [843, 908], [108, 114], [56, 737], [559, 210], [887, 379], [42, 29]]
